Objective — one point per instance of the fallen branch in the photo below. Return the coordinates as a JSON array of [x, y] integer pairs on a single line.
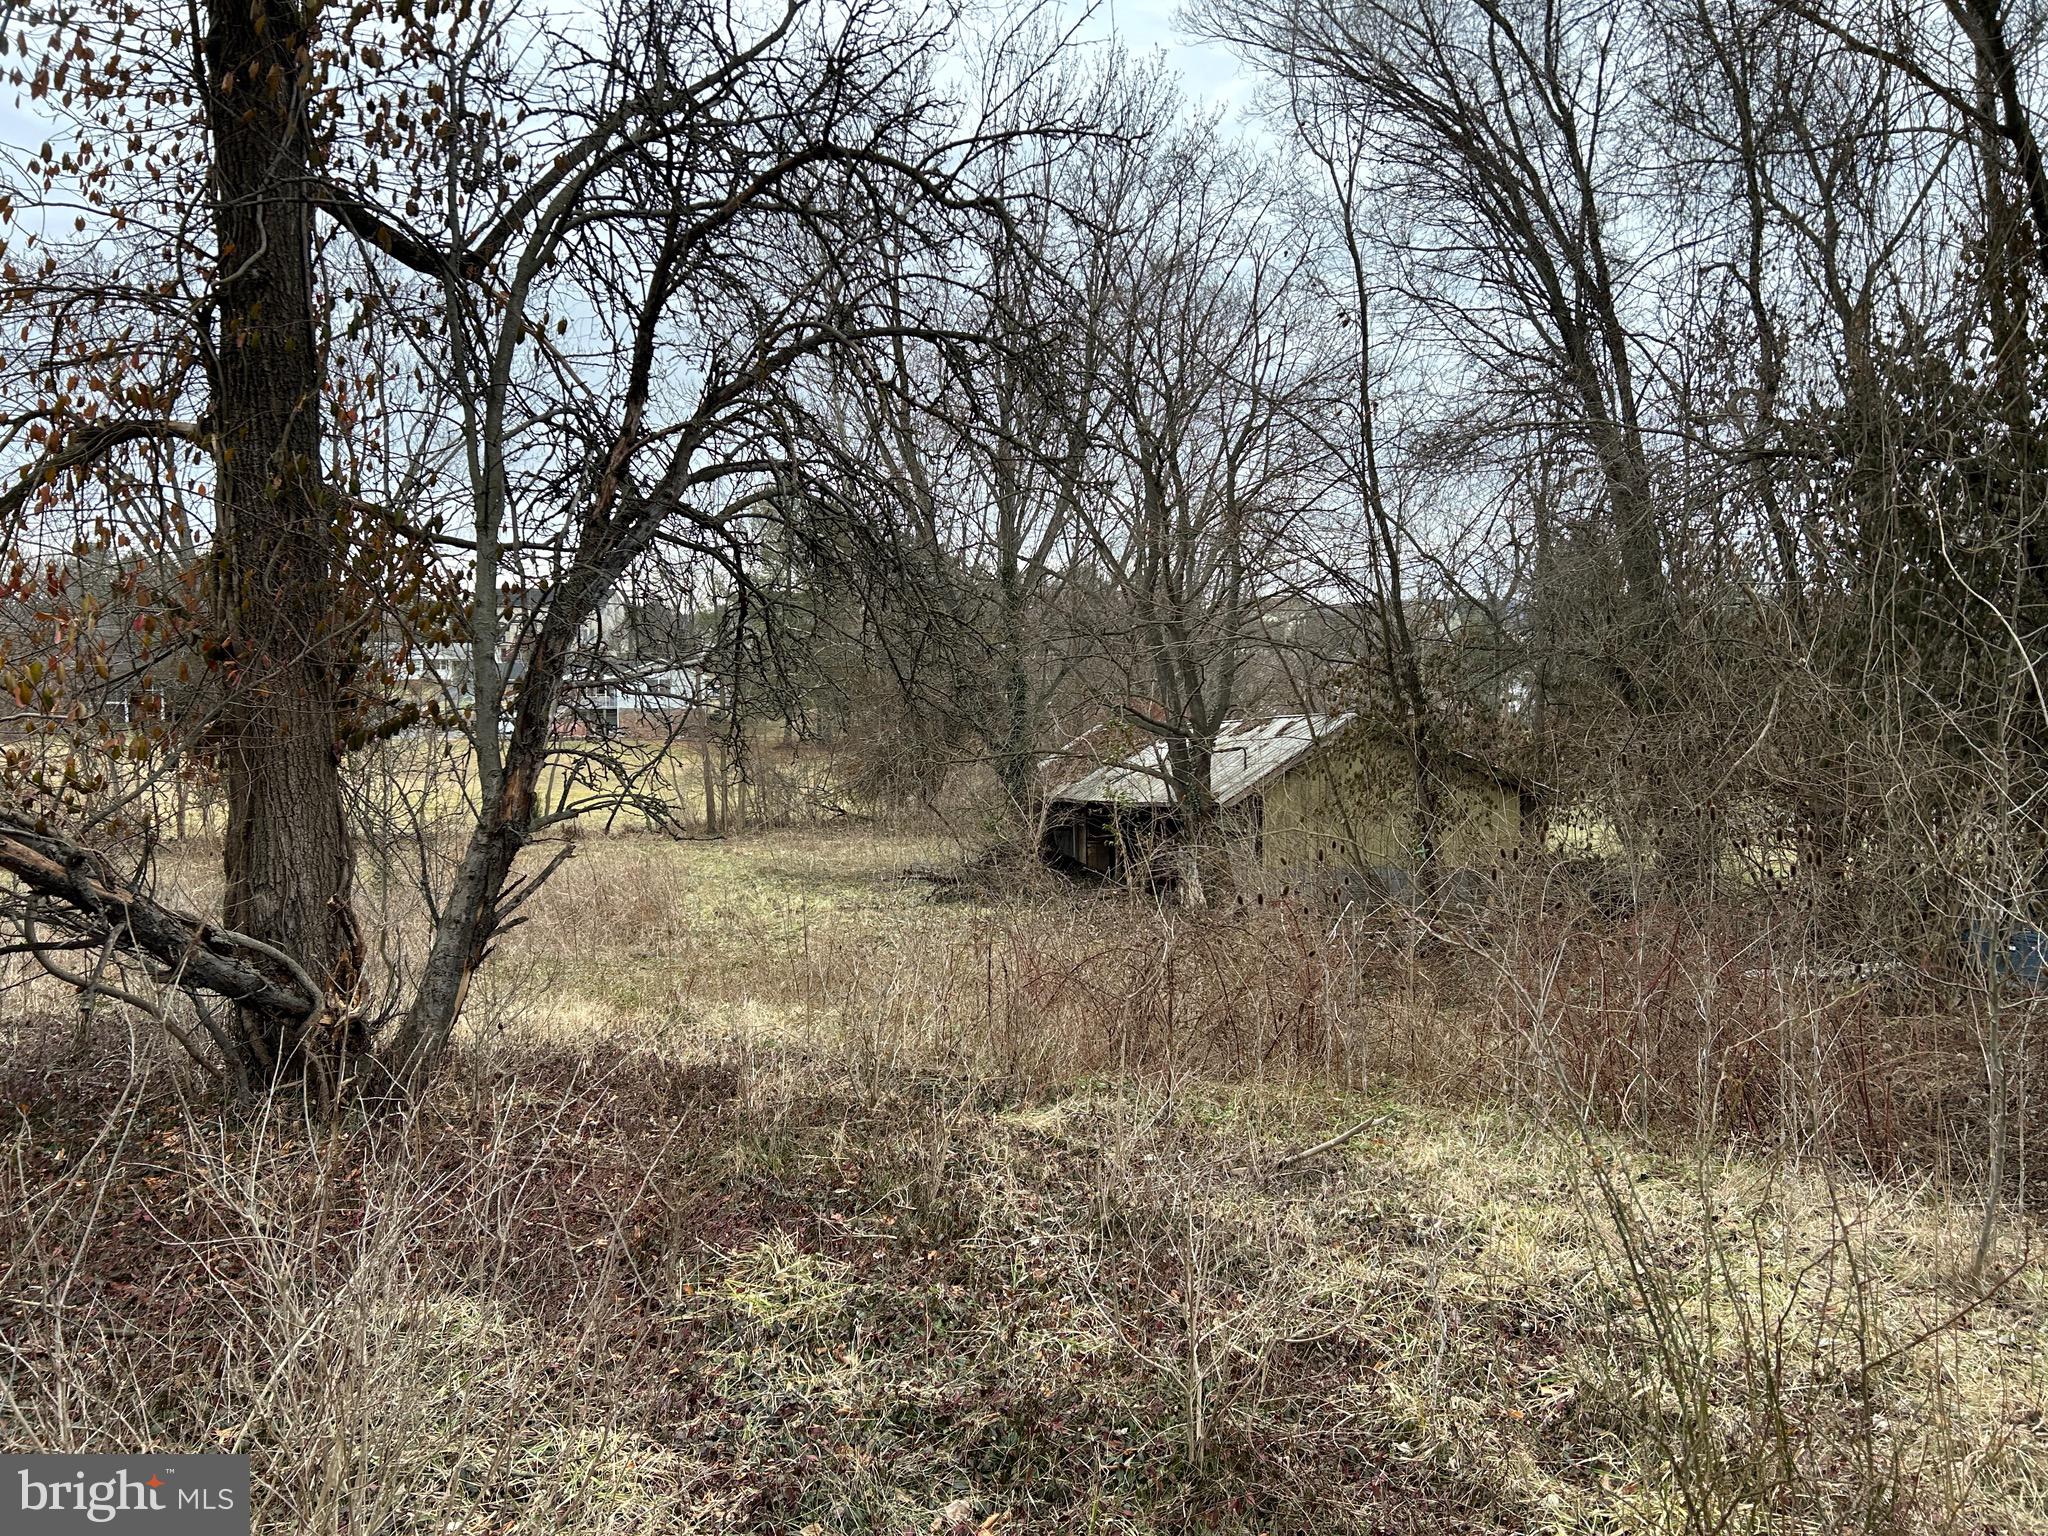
[[88, 899], [1293, 1159]]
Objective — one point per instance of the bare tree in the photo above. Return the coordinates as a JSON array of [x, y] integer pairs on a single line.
[[604, 247], [1504, 135], [1212, 373], [975, 464]]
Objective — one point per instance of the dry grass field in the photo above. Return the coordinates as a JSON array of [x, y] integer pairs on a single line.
[[781, 1189]]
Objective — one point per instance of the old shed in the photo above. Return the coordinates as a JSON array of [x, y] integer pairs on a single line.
[[1306, 793]]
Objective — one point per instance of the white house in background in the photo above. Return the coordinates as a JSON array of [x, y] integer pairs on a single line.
[[642, 705]]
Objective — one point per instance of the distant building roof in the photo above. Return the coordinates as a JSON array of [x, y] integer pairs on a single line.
[[1248, 753]]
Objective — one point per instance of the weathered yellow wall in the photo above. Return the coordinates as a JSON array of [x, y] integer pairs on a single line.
[[1350, 804]]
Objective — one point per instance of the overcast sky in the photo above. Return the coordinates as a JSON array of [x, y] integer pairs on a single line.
[[1212, 75]]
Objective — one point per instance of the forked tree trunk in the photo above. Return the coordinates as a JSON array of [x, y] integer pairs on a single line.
[[481, 897], [288, 863]]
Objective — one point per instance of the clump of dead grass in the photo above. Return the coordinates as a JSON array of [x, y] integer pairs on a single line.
[[684, 1288], [770, 1196]]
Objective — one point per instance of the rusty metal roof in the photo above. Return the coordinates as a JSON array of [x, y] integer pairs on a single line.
[[1248, 754]]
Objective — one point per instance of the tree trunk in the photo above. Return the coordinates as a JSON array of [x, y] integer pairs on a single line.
[[711, 823], [289, 866], [1017, 754], [481, 899]]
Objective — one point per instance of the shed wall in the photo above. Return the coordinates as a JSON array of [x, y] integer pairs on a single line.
[[1351, 804]]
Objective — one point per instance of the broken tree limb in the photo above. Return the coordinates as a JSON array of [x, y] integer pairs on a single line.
[[75, 886]]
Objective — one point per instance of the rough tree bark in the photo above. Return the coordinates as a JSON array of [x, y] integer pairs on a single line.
[[288, 862]]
